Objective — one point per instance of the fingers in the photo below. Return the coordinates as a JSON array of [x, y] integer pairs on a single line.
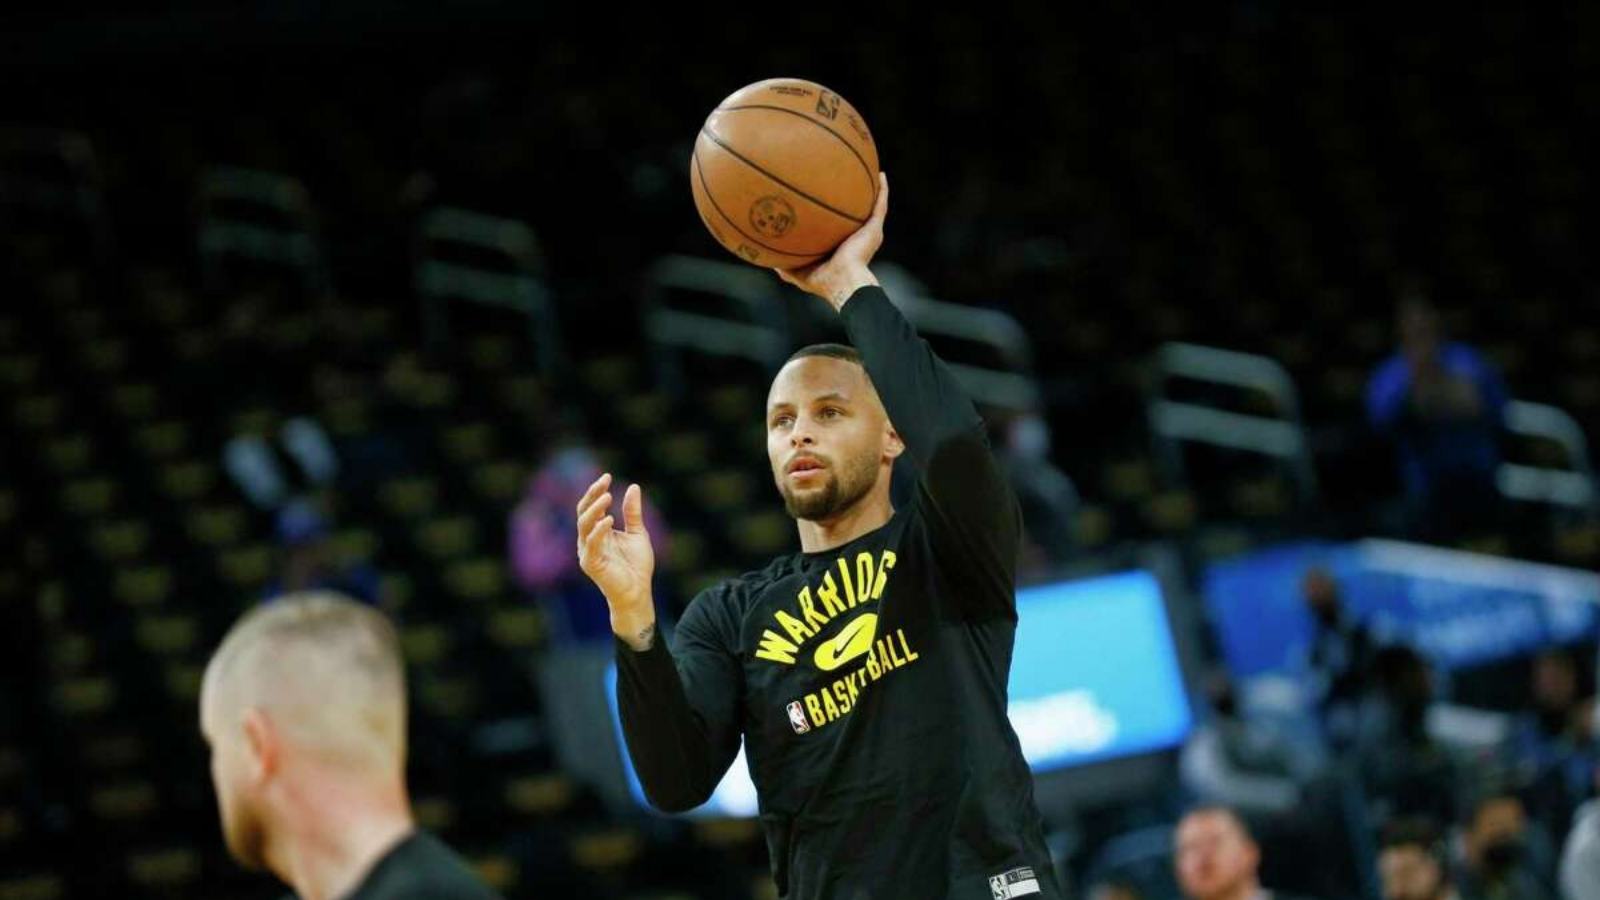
[[633, 510], [591, 544], [600, 484], [880, 210]]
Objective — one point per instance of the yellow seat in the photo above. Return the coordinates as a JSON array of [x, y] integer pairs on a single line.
[[466, 444], [434, 813], [124, 801], [123, 540], [1129, 479], [217, 525], [447, 538], [69, 652], [107, 356], [685, 551], [763, 533], [644, 412], [683, 452], [69, 454], [725, 490], [1092, 526], [409, 498], [89, 497], [39, 412], [135, 401], [499, 872], [609, 375], [447, 696], [355, 545], [188, 480], [142, 586], [540, 795], [247, 567], [481, 580], [167, 870], [425, 645], [500, 482], [163, 439], [183, 682], [606, 851], [84, 697], [517, 628], [166, 635], [19, 370], [1171, 511]]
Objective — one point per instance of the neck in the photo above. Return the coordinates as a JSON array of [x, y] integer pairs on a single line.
[[867, 514], [340, 828]]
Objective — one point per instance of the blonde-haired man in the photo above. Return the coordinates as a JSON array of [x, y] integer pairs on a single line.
[[304, 708]]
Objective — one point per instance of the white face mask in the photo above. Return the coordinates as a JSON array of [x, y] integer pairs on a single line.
[[1030, 437]]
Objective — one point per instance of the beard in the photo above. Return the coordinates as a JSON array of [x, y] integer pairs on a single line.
[[843, 489]]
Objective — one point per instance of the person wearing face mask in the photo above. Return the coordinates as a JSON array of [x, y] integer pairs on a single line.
[[1494, 847], [1413, 863]]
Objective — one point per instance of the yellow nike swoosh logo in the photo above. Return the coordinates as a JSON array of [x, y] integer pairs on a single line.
[[854, 640]]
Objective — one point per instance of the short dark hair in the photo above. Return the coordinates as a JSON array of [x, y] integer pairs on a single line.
[[1410, 831], [1419, 832], [1227, 812], [832, 351]]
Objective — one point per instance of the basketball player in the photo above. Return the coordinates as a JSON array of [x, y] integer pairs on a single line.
[[304, 708], [867, 672]]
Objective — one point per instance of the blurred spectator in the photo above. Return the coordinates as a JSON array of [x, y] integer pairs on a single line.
[[1217, 858], [310, 563], [1048, 498], [1442, 404], [1232, 761], [1341, 658], [543, 532], [1495, 864], [1413, 862], [1580, 857], [1400, 765], [1551, 747]]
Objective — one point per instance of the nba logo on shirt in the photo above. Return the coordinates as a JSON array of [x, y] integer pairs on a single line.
[[1015, 883], [797, 718]]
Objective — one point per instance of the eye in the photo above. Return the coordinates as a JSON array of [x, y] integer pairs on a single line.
[[782, 419], [831, 412]]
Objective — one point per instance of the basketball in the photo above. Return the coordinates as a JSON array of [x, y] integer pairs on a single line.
[[783, 171]]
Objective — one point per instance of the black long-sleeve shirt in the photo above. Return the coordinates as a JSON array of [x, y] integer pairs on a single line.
[[869, 680]]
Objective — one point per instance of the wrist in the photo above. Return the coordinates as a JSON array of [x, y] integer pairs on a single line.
[[845, 286], [637, 628]]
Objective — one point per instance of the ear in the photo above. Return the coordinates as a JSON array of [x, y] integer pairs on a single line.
[[893, 446], [261, 745]]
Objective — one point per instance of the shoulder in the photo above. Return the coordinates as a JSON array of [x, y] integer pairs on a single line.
[[726, 602], [422, 866]]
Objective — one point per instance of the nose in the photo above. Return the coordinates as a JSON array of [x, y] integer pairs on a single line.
[[800, 436]]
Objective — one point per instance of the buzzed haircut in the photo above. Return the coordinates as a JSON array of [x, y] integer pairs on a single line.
[[1227, 812], [832, 351], [325, 668]]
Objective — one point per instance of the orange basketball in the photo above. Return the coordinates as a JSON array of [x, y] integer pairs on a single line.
[[783, 171]]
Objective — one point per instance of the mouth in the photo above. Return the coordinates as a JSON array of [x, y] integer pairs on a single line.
[[805, 464]]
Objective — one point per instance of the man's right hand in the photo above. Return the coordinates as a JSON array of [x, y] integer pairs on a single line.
[[620, 562]]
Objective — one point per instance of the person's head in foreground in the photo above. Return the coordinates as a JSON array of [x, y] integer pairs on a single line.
[[828, 437], [1412, 864], [1216, 857], [303, 707]]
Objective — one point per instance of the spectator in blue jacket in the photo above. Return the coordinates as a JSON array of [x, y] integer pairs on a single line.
[[1441, 402]]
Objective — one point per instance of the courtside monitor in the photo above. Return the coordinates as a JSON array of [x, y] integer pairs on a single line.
[[1095, 677]]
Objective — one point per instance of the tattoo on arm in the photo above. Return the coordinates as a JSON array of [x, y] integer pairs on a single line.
[[646, 637]]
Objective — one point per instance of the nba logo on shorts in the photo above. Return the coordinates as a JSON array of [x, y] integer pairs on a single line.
[[797, 718]]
